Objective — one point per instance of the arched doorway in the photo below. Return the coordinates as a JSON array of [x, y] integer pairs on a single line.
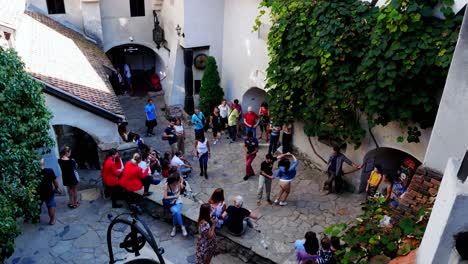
[[144, 64], [253, 97], [391, 161], [85, 151]]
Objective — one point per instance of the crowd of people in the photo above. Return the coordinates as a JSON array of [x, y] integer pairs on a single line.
[[148, 167]]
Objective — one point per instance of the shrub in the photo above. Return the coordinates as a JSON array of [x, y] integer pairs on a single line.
[[211, 92], [24, 126]]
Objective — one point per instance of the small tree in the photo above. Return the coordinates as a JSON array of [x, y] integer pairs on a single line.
[[24, 126], [211, 92]]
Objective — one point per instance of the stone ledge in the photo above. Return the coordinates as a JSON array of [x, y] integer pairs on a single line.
[[247, 247]]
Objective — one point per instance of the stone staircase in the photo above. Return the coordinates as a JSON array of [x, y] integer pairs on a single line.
[[158, 5]]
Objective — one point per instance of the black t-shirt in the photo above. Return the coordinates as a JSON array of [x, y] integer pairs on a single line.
[[171, 131], [268, 167], [216, 120], [251, 145], [45, 188], [235, 218]]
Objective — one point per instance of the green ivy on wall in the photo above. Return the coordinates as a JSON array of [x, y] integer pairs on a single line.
[[332, 62]]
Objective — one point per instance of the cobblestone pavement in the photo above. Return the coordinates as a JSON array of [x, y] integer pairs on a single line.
[[79, 236], [308, 208]]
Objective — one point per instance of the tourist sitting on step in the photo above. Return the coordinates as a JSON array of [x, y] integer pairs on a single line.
[[133, 177], [181, 163], [236, 218], [150, 179], [172, 201]]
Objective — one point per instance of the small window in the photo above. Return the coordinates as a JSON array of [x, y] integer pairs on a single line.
[[137, 8], [55, 7], [197, 86]]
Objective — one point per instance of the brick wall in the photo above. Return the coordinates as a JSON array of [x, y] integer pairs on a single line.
[[421, 193]]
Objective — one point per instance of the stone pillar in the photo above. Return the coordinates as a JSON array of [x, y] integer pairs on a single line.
[[188, 62], [448, 219]]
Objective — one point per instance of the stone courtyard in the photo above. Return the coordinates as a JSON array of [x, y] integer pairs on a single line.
[[308, 208]]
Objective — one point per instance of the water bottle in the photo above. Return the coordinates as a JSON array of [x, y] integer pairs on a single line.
[[265, 246]]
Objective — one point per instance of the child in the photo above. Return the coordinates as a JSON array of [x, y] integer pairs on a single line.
[[374, 180], [325, 254]]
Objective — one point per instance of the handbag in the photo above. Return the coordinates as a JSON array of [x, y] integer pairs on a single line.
[[77, 175], [169, 202]]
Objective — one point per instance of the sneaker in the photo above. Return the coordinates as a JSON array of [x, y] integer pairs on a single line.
[[215, 142], [259, 203], [201, 173], [269, 202], [283, 203], [276, 201], [206, 175], [173, 232], [184, 231]]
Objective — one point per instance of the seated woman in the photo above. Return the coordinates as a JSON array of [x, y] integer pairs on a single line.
[[166, 164], [217, 206], [150, 179], [236, 218], [306, 248], [172, 200], [133, 177]]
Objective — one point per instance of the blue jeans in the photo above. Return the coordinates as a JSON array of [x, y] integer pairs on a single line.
[[273, 144], [176, 215], [254, 131], [203, 160]]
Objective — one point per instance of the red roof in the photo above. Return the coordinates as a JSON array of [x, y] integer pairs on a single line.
[[63, 58]]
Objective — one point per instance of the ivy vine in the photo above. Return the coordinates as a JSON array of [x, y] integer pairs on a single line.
[[332, 62]]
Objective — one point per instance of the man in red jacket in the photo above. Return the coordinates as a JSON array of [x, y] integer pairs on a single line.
[[110, 176]]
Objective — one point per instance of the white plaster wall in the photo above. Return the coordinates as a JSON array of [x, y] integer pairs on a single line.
[[448, 218], [451, 125], [102, 130], [203, 26], [172, 14], [92, 20], [73, 16], [245, 55], [385, 137]]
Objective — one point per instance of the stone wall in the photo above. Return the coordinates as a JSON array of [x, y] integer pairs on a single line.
[[421, 193], [225, 242]]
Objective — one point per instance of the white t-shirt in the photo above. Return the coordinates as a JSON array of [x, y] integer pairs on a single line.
[[127, 71], [202, 147], [143, 167], [179, 129], [223, 110], [176, 161]]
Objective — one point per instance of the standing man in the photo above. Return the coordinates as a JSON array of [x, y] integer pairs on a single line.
[[335, 170], [223, 112], [274, 138], [233, 118], [265, 178], [150, 110], [46, 191], [251, 121], [198, 120], [128, 77], [239, 110], [251, 149], [171, 136]]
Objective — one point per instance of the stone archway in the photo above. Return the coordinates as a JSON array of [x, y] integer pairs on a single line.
[[85, 151], [389, 158], [253, 97], [143, 62]]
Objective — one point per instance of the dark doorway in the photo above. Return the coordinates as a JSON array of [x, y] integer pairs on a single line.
[[143, 63], [85, 152]]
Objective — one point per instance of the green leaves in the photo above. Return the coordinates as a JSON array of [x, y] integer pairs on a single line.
[[211, 92], [332, 61], [24, 125]]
